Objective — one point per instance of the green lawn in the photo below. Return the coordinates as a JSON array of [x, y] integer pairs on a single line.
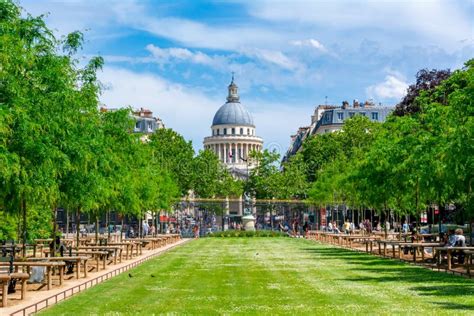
[[272, 276]]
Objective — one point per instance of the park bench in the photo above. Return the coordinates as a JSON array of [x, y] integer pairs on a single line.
[[98, 256], [50, 266], [116, 251], [7, 279], [77, 261], [449, 251]]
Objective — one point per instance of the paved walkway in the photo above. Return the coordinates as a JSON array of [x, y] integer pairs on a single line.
[[75, 286]]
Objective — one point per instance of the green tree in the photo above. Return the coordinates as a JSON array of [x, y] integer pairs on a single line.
[[175, 155]]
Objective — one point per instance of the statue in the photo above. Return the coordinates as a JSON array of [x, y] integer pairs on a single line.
[[248, 220], [247, 204]]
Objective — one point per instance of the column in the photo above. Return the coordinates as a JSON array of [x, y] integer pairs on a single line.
[[239, 152], [219, 152], [225, 153], [234, 146]]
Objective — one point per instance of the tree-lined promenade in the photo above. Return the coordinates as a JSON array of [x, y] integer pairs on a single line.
[[421, 157], [58, 150], [273, 276]]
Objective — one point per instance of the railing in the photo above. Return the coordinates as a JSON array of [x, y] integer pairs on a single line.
[[61, 296]]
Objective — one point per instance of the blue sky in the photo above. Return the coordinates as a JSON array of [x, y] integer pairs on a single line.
[[176, 57]]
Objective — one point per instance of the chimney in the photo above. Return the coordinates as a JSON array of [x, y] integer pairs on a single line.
[[345, 104]]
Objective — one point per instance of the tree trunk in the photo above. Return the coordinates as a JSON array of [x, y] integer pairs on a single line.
[[96, 229], [78, 222], [24, 232], [67, 222], [121, 230], [416, 202], [139, 226], [55, 213], [107, 224]]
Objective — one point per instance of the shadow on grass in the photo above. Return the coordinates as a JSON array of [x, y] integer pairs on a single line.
[[373, 270], [451, 290], [454, 306]]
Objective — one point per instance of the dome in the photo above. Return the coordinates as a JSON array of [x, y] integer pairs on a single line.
[[232, 113]]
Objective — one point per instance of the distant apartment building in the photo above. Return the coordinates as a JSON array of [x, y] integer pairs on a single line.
[[145, 122], [330, 118]]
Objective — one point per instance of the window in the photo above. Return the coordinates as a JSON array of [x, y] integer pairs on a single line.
[[327, 118], [375, 116], [225, 131], [351, 114], [248, 131], [362, 113], [217, 132], [137, 125], [241, 131], [150, 126], [233, 131], [340, 116]]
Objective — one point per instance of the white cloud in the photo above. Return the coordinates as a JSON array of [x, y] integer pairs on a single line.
[[184, 109], [196, 34], [273, 57], [190, 112], [442, 22], [310, 43], [393, 87], [177, 54], [275, 122]]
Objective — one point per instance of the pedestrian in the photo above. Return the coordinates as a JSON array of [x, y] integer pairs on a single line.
[[196, 231], [306, 229]]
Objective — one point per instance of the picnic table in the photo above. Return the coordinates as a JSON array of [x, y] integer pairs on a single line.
[[76, 260], [116, 250], [49, 269], [416, 246], [468, 260], [128, 248], [449, 251], [4, 281], [97, 255]]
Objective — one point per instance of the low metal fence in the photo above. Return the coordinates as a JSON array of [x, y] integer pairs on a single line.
[[63, 295]]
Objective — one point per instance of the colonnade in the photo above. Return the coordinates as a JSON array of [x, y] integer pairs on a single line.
[[238, 150]]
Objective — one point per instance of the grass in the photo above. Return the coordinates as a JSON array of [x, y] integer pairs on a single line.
[[273, 276]]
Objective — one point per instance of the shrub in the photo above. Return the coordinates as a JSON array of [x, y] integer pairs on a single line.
[[248, 234]]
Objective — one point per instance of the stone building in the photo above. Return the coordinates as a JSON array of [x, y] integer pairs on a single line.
[[331, 118], [233, 135]]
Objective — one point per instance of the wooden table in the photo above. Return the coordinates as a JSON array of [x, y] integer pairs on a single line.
[[49, 269], [5, 279], [116, 250], [97, 255], [417, 245], [449, 251], [77, 260], [468, 260], [128, 248]]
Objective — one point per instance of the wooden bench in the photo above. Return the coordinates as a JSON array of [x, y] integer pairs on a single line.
[[49, 269], [5, 279], [76, 260], [97, 255]]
